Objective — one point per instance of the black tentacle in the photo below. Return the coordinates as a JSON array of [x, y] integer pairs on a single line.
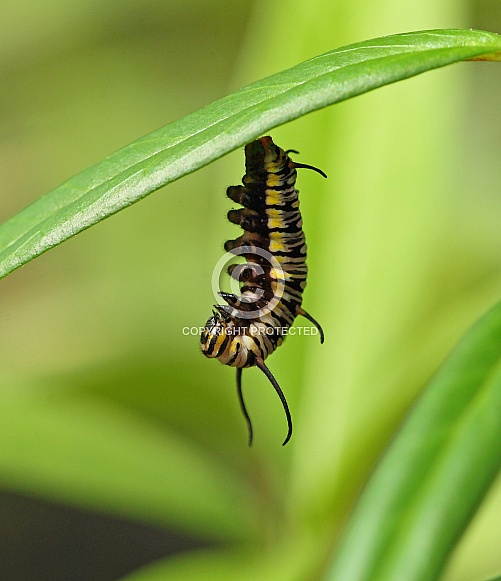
[[306, 166], [242, 404], [260, 363], [306, 315]]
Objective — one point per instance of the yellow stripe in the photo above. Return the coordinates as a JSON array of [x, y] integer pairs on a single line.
[[276, 245], [272, 213], [275, 223], [219, 341], [272, 197], [273, 179]]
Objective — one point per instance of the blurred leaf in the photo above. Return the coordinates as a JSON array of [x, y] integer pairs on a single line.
[[194, 141], [435, 473], [201, 565], [291, 562], [134, 467]]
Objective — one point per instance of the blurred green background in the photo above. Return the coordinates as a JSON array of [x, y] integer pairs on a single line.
[[119, 443]]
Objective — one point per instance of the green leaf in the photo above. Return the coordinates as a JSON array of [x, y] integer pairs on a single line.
[[98, 454], [194, 141], [435, 473]]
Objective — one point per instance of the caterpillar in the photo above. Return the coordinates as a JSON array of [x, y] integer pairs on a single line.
[[245, 331]]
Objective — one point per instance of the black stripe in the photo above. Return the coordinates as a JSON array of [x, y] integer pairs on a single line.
[[232, 360], [212, 343]]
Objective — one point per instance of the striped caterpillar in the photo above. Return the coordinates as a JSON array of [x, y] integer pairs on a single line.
[[251, 326]]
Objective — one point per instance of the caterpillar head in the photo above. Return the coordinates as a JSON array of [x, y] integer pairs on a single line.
[[214, 337]]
